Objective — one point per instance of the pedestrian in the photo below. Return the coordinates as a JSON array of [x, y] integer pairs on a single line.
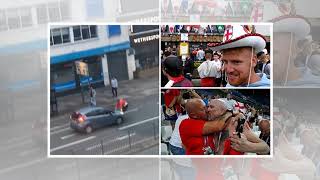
[[207, 70], [172, 68], [114, 86], [92, 93], [200, 54], [217, 62]]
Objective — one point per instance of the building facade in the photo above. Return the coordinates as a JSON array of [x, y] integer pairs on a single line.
[[105, 49], [144, 41]]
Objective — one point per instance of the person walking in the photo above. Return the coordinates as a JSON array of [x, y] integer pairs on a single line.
[[114, 86], [92, 93]]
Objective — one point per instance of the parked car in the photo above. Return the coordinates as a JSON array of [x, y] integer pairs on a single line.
[[91, 118]]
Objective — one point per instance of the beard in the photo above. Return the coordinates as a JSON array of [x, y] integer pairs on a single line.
[[212, 117]]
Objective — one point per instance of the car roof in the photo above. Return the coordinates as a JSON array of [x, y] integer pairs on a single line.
[[90, 109]]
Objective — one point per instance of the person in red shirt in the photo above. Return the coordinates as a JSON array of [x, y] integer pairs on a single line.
[[172, 105], [196, 131], [122, 105], [216, 110]]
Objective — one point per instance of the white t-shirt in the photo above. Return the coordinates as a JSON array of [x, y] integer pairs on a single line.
[[114, 83], [175, 139], [218, 64], [231, 104], [207, 69], [200, 54]]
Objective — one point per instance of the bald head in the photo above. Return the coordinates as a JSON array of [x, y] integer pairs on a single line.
[[264, 125], [196, 109], [217, 108]]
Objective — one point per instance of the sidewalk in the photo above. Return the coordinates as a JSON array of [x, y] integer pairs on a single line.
[[146, 84]]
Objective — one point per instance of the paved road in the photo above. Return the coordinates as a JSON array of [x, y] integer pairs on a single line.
[[140, 128], [141, 123]]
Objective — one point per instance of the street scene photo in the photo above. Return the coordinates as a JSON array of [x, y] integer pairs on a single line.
[[215, 55], [215, 122], [104, 97]]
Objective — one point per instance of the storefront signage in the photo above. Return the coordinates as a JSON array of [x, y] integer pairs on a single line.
[[184, 48], [145, 38], [82, 68]]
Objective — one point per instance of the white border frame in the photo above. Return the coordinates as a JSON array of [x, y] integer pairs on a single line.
[[234, 88], [48, 91]]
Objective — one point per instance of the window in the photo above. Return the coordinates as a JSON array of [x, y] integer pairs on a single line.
[[54, 11], [84, 32], [65, 35], [114, 30], [13, 19], [3, 20], [63, 74], [42, 15], [56, 36], [26, 17], [77, 33], [93, 31], [59, 36]]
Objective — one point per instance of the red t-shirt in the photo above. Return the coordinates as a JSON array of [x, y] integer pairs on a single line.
[[228, 150], [192, 138], [207, 82], [168, 97], [121, 103]]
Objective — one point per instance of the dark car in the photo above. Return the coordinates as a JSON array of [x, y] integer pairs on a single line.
[[90, 118]]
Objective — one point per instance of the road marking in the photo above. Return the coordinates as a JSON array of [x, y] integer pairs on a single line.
[[93, 147], [17, 139], [127, 145], [5, 170], [131, 110], [126, 136], [109, 142], [68, 136], [58, 127], [59, 131], [28, 152], [138, 123], [71, 144]]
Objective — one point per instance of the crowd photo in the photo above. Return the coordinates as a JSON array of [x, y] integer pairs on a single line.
[[215, 56], [215, 122]]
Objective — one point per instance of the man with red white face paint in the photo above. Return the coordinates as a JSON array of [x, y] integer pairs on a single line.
[[239, 48]]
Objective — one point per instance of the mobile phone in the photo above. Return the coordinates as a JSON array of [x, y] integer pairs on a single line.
[[240, 125]]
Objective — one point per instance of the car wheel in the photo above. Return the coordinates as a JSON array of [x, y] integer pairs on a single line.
[[89, 129], [119, 121]]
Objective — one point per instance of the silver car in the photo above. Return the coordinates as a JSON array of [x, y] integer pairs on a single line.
[[90, 118]]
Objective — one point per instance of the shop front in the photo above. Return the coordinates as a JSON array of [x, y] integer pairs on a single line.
[[145, 45], [101, 66]]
